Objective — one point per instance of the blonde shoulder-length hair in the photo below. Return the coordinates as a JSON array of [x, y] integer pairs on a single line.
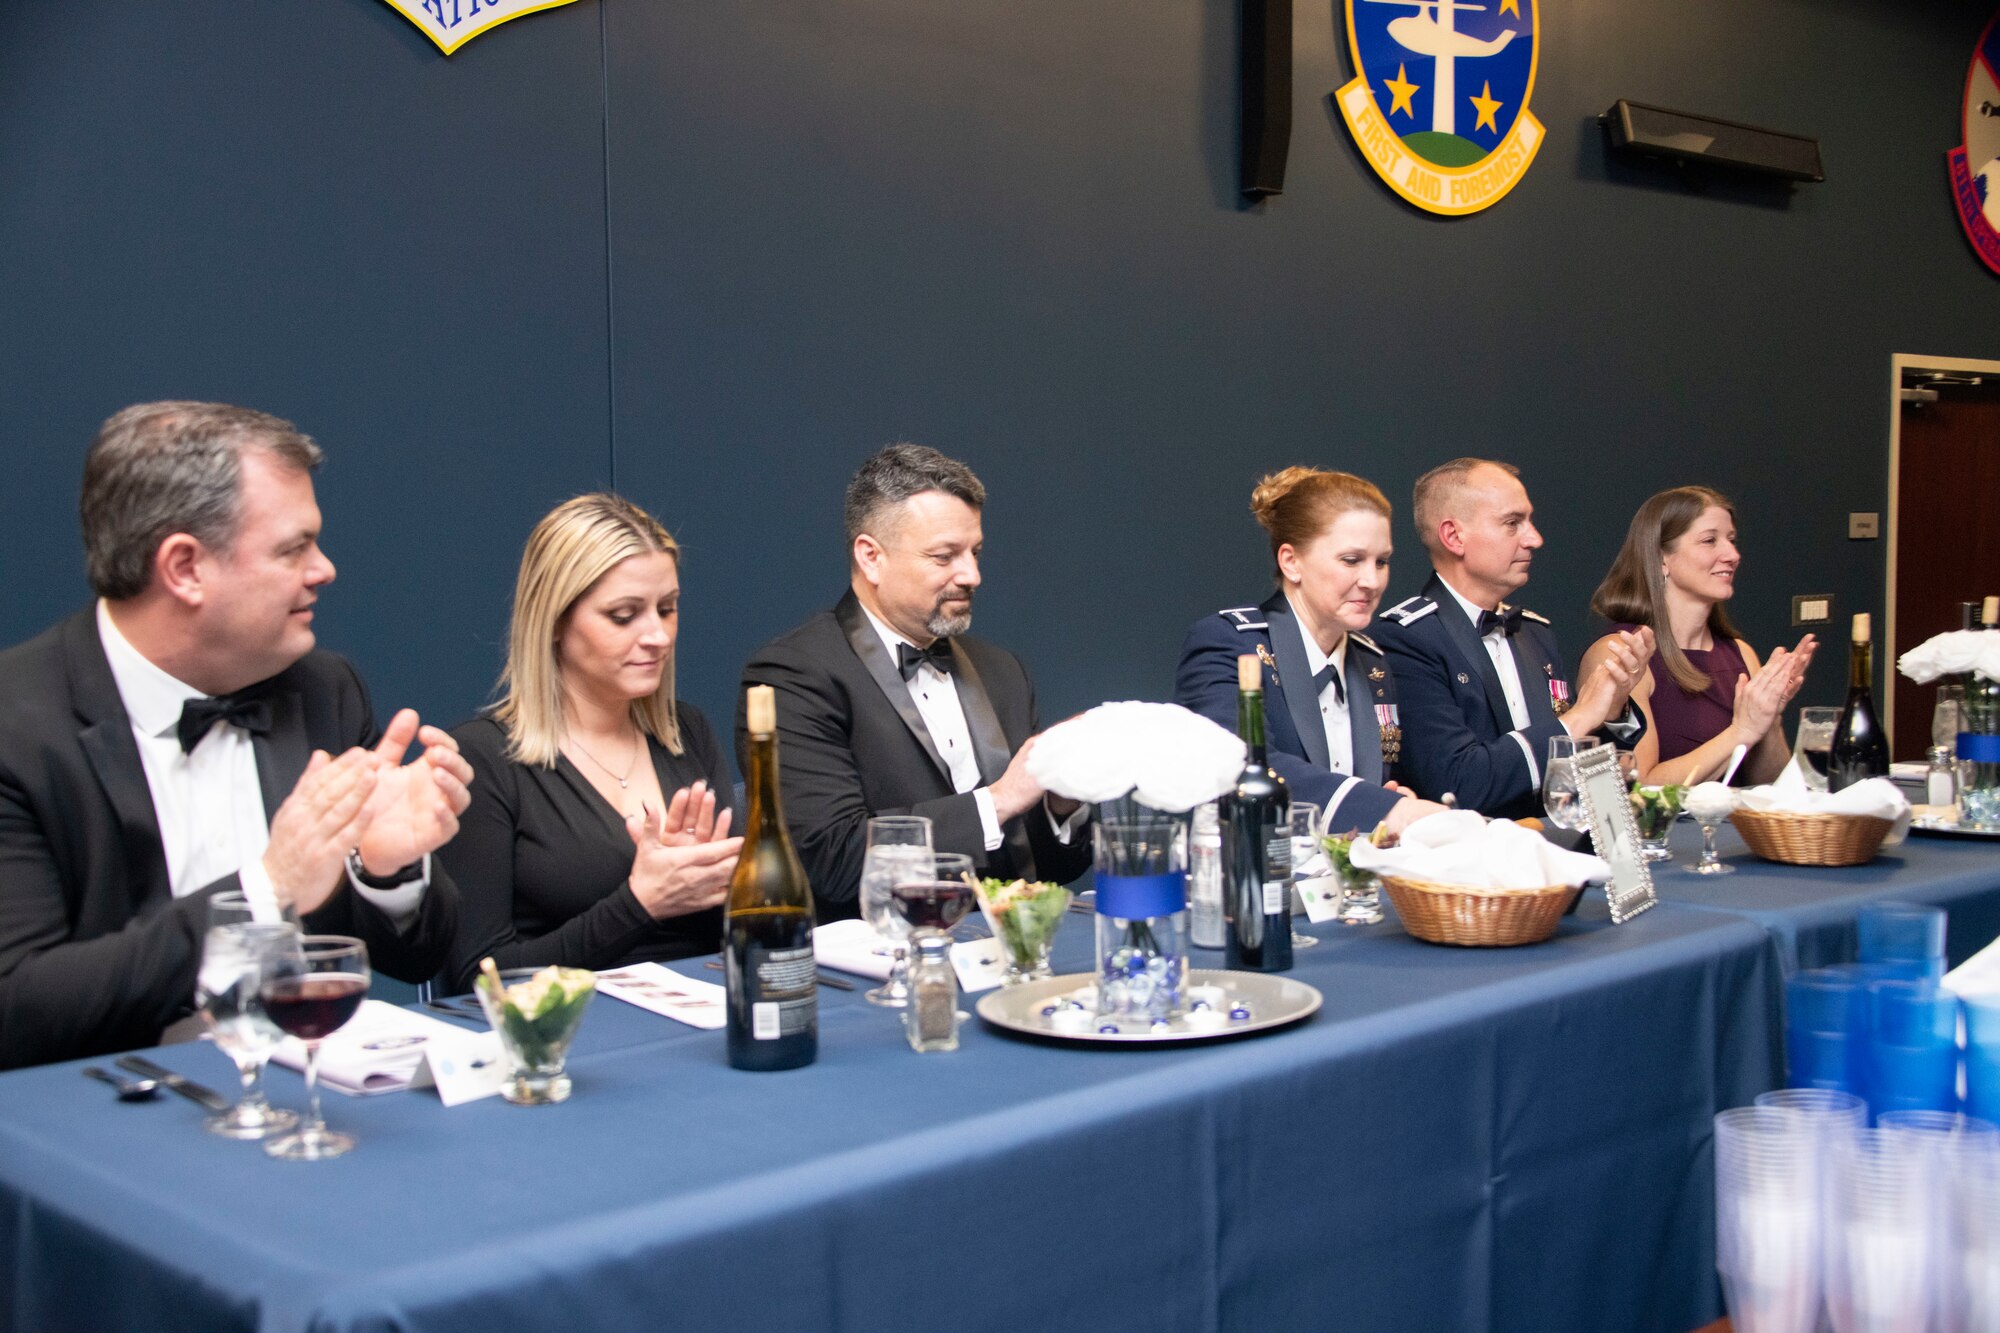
[[575, 545]]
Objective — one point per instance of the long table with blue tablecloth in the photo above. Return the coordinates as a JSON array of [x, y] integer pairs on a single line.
[[1461, 1139]]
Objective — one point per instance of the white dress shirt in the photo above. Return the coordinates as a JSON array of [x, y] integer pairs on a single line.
[[935, 693], [209, 802], [1502, 653], [1333, 712]]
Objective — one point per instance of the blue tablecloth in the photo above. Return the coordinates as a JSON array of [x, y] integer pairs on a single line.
[[1507, 1139], [1810, 911]]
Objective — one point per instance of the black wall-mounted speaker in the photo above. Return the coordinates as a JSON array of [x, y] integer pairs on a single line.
[[1266, 91], [1652, 131]]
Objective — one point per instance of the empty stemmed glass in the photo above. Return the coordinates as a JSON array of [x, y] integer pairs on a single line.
[[899, 848], [1305, 846], [1560, 796], [311, 992], [229, 989]]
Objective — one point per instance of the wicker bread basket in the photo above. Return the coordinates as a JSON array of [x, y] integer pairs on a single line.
[[1811, 840], [1479, 918]]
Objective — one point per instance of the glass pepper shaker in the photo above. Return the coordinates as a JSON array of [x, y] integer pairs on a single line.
[[931, 1018]]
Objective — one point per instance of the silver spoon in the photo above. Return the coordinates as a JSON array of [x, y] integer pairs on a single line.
[[129, 1089]]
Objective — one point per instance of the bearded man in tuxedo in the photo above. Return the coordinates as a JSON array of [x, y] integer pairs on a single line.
[[886, 706]]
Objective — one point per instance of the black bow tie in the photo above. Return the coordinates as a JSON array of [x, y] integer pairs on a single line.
[[1506, 620], [1329, 674], [252, 712], [908, 659]]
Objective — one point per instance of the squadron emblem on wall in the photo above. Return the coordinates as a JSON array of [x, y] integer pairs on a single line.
[[1413, 108]]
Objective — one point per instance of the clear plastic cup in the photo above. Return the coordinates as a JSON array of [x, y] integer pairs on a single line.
[[1882, 1243], [1972, 1287], [1768, 1218]]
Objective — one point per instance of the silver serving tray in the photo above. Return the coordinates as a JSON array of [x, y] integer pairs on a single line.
[[1948, 828], [1275, 1002]]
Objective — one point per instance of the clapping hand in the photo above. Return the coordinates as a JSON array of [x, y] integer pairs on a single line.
[[690, 817], [312, 832], [688, 868], [1602, 696], [1761, 699], [415, 807]]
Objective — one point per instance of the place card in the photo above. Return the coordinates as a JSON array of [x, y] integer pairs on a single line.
[[467, 1069], [980, 964], [660, 990], [1320, 898]]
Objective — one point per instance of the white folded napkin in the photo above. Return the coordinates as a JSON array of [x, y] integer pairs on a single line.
[[1464, 847], [854, 946], [381, 1049], [1878, 798], [1168, 757], [1949, 654]]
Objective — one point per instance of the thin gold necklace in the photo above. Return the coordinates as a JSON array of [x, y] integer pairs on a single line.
[[631, 762]]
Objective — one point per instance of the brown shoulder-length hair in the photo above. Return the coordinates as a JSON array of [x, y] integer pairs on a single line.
[[1635, 593], [575, 545], [1298, 504]]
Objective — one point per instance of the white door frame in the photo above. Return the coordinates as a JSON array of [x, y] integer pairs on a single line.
[[1899, 363]]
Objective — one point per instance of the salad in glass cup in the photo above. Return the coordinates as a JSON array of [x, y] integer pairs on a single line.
[[1654, 810], [1024, 916]]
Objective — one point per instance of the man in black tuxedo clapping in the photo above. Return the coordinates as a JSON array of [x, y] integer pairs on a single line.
[[887, 707], [183, 737]]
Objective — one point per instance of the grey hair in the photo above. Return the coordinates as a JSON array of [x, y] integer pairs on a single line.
[[156, 469], [1438, 490], [901, 471]]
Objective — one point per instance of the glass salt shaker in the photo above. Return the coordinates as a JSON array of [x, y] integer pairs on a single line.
[[931, 1018], [1941, 779]]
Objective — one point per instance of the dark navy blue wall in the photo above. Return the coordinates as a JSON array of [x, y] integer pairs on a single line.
[[720, 250]]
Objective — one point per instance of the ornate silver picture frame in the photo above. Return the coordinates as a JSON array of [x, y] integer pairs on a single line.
[[1600, 786]]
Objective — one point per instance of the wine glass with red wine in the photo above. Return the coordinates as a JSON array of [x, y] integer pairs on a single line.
[[935, 905], [311, 992]]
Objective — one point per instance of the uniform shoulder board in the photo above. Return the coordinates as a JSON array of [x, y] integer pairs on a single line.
[[1363, 641], [1526, 614], [1410, 611], [1245, 617]]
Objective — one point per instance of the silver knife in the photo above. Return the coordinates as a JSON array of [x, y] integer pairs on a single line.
[[186, 1087]]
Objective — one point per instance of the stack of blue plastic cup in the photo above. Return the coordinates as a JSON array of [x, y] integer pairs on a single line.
[[1907, 936], [1913, 1063], [1827, 1030], [1982, 1056]]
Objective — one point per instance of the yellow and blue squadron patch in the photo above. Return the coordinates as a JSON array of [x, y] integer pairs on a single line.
[[1412, 108]]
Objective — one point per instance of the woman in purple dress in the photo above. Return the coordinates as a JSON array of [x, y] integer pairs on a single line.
[[1704, 693]]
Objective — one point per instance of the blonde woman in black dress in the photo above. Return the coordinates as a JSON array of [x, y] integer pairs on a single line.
[[598, 833]]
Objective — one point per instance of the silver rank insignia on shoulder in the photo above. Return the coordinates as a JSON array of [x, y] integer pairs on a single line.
[[1245, 617], [1270, 664], [1410, 610]]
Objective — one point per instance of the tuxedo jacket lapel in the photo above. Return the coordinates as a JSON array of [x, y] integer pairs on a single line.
[[106, 739], [867, 645], [989, 742], [1295, 679], [1473, 649], [282, 755]]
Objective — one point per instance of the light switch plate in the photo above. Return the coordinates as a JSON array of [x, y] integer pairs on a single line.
[[1863, 527], [1812, 608]]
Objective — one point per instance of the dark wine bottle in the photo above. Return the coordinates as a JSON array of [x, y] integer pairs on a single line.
[[1256, 844], [1859, 748], [767, 946]]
